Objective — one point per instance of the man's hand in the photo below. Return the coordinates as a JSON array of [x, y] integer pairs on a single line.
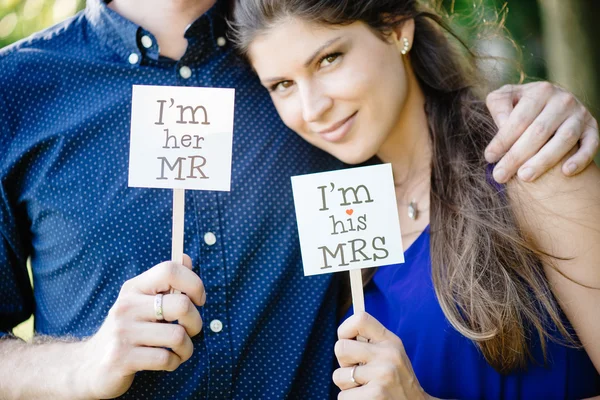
[[131, 338], [539, 123]]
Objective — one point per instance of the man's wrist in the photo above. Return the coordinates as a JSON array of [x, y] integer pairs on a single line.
[[68, 377], [80, 373]]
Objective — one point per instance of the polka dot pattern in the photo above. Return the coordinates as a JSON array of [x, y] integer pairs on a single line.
[[65, 97]]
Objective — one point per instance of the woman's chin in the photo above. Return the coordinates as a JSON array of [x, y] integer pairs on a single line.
[[354, 158]]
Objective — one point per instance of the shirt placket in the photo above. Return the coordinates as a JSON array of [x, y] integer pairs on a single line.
[[192, 70], [212, 270]]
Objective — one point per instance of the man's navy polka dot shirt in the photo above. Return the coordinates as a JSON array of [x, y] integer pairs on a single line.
[[65, 101]]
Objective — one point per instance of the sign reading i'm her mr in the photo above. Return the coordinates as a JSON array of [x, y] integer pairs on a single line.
[[181, 137], [347, 219]]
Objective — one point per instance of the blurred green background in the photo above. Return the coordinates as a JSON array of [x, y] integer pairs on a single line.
[[553, 40]]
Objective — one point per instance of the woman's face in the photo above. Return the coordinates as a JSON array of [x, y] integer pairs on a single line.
[[342, 88]]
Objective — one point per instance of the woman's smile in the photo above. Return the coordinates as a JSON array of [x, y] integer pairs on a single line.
[[339, 130]]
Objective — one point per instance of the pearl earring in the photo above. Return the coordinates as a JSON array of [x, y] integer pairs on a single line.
[[405, 46]]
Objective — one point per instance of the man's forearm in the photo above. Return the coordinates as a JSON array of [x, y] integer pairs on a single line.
[[44, 369]]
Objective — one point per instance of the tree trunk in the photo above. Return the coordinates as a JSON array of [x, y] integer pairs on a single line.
[[571, 29]]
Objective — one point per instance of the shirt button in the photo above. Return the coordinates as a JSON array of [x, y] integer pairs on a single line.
[[216, 326], [210, 238], [133, 58], [185, 72], [221, 41], [146, 41]]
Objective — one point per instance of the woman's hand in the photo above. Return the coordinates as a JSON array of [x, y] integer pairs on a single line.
[[539, 123], [380, 368]]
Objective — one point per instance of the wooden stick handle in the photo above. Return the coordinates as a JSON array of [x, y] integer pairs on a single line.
[[178, 227], [358, 296]]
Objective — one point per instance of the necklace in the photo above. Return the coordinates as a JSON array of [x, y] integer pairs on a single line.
[[413, 211], [412, 208]]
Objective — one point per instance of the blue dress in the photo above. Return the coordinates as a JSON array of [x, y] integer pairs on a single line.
[[450, 366]]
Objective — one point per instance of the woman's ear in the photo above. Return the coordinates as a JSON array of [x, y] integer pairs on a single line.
[[404, 35]]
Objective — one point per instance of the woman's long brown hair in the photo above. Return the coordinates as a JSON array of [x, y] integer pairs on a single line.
[[487, 273]]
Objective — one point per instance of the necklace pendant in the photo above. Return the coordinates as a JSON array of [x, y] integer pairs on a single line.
[[413, 213]]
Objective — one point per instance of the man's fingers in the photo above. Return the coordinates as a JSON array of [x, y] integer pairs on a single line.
[[501, 102], [588, 147], [564, 141], [187, 261], [152, 359], [175, 307], [169, 275], [523, 114], [171, 336], [534, 138]]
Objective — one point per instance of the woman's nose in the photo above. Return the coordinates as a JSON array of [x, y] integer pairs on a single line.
[[315, 103]]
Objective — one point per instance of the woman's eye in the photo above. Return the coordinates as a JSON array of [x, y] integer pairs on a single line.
[[329, 59], [281, 86]]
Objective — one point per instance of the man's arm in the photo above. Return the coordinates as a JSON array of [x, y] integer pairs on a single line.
[[50, 369], [131, 339]]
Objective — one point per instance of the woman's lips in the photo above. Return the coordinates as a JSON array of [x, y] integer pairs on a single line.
[[339, 130]]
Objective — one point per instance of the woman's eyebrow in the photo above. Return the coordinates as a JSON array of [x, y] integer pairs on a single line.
[[319, 50], [308, 62]]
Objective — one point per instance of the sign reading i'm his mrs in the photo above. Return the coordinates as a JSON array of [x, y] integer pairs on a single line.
[[347, 219]]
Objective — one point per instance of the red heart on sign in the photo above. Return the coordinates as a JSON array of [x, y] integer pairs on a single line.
[[349, 211]]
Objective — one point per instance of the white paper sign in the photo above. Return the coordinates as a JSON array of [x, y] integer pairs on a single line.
[[347, 219], [181, 137]]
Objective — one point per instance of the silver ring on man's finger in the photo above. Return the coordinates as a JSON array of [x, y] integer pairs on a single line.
[[352, 375], [158, 307]]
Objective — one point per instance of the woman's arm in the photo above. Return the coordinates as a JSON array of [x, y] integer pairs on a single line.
[[562, 215]]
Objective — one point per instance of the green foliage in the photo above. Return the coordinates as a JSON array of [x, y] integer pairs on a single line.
[[21, 18], [520, 36]]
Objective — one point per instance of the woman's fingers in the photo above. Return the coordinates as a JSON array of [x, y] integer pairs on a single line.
[[379, 368], [363, 324], [370, 391], [342, 377], [351, 352]]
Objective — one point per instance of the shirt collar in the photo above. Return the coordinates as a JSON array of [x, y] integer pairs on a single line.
[[124, 37]]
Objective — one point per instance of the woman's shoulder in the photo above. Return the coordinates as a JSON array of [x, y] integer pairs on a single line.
[[556, 202], [560, 214]]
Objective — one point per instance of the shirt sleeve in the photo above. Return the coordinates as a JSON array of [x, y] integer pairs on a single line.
[[16, 294]]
